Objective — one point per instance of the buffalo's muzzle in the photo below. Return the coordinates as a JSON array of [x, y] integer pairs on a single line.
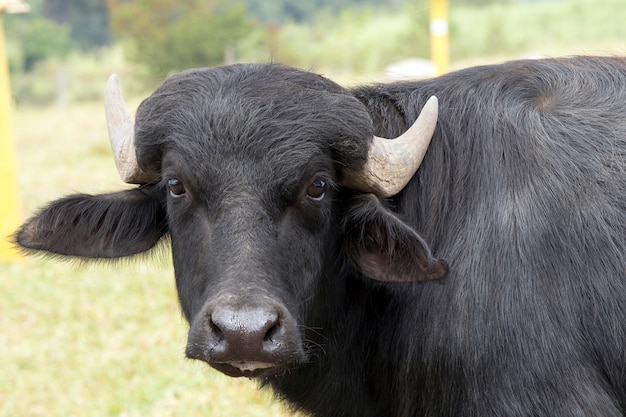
[[245, 340]]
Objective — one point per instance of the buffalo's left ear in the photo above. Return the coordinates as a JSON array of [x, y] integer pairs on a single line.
[[383, 247]]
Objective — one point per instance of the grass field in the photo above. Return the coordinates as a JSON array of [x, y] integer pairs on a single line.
[[97, 340]]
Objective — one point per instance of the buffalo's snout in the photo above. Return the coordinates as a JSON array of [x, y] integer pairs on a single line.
[[246, 332], [245, 339]]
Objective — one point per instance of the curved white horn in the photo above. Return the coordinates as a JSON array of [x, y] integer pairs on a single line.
[[391, 163], [121, 128]]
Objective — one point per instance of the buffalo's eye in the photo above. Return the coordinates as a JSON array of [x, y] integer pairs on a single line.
[[317, 189], [177, 189]]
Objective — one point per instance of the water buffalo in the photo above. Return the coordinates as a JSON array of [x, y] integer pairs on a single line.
[[314, 255]]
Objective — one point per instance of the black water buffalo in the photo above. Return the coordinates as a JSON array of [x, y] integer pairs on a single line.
[[311, 255]]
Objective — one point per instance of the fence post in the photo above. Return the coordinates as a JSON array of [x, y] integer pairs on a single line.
[[10, 204], [439, 49]]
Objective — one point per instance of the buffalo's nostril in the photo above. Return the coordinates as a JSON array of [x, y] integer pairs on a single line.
[[217, 331], [271, 333], [273, 339]]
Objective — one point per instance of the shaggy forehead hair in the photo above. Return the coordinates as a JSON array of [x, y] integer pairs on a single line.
[[256, 111]]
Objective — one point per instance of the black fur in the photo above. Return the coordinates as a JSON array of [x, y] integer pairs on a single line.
[[102, 226], [522, 192]]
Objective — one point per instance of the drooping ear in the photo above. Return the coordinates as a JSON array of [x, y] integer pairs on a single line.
[[97, 226], [383, 247]]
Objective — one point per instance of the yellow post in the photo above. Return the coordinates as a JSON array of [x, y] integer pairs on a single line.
[[439, 50], [10, 207]]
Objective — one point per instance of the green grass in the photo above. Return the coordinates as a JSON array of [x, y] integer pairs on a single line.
[[97, 340], [550, 27]]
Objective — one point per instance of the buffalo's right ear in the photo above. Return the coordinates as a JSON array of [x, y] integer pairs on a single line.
[[383, 247], [98, 226]]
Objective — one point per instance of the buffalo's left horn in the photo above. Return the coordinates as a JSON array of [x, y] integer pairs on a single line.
[[391, 163], [121, 128]]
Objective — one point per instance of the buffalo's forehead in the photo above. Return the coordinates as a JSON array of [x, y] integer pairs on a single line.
[[254, 162], [259, 119]]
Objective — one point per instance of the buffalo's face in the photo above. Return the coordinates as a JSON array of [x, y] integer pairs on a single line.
[[249, 249], [256, 173], [244, 268], [252, 196]]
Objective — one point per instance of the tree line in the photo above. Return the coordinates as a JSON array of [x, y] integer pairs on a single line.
[[167, 35]]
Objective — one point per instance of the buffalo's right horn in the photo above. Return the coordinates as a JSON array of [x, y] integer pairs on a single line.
[[391, 163], [121, 128]]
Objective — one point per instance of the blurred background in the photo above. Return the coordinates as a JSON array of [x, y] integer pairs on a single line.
[[108, 340], [62, 50]]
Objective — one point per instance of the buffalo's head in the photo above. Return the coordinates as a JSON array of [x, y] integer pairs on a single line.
[[268, 180]]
